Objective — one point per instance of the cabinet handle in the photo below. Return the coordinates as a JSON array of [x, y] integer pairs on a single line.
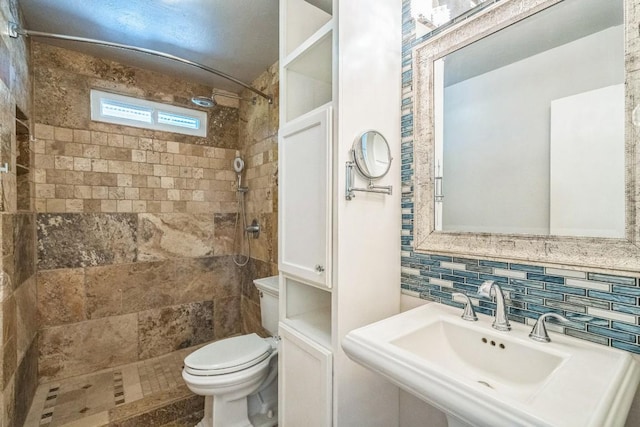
[[319, 268]]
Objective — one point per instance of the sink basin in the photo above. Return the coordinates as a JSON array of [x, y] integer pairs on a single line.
[[486, 358], [482, 377]]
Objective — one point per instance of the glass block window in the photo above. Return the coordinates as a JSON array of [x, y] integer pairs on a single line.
[[126, 110]]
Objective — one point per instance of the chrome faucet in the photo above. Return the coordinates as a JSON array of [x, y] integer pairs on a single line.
[[469, 313], [539, 331], [488, 289]]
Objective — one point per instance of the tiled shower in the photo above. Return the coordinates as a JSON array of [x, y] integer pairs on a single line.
[[122, 255]]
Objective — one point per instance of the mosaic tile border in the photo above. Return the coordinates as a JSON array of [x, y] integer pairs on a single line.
[[602, 308], [49, 407], [118, 396], [118, 388]]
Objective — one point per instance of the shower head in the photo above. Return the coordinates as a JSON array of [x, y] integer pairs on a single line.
[[210, 101], [203, 101], [238, 163]]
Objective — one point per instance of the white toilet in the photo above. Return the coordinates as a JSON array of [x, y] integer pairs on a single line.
[[238, 375]]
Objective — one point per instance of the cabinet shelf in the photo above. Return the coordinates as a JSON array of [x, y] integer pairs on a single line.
[[308, 76], [311, 44], [301, 22], [314, 324], [308, 310]]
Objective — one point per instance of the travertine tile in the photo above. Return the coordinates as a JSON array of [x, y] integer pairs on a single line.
[[26, 382], [163, 236], [225, 233], [129, 288], [24, 241], [88, 346], [77, 240], [8, 412], [171, 328], [26, 315], [61, 296], [227, 317]]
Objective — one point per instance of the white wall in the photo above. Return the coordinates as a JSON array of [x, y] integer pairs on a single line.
[[367, 242], [514, 197]]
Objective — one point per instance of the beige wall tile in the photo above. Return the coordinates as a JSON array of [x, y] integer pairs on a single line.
[[132, 193], [166, 206], [61, 297], [82, 192], [89, 167], [115, 140], [74, 205], [173, 147], [89, 346], [56, 205], [82, 136], [63, 162], [43, 131], [109, 206], [81, 164], [167, 182], [129, 141], [99, 192], [139, 206], [74, 177], [63, 134], [45, 191], [138, 156], [99, 165], [124, 206], [125, 180]]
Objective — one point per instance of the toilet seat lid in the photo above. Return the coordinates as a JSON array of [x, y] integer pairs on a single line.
[[223, 356]]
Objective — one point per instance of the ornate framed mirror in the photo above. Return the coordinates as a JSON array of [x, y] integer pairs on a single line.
[[488, 166]]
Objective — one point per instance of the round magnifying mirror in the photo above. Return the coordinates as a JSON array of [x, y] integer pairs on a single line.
[[371, 155]]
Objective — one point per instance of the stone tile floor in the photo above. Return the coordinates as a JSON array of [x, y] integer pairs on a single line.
[[148, 393]]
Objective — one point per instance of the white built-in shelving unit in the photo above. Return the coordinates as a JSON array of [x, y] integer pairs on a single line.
[[339, 269]]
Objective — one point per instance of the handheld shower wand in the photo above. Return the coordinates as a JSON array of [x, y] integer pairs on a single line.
[[238, 166]]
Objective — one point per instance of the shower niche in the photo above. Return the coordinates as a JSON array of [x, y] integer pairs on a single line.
[[24, 162]]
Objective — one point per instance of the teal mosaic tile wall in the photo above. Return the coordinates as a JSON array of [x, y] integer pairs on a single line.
[[602, 308]]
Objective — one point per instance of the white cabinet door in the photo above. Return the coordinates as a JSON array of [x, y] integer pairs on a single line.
[[304, 381], [305, 190]]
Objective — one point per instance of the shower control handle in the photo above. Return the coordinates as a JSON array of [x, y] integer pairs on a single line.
[[253, 229], [319, 268]]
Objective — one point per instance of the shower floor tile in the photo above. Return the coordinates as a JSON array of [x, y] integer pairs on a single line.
[[149, 393]]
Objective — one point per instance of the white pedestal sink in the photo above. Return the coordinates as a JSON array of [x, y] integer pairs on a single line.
[[481, 377]]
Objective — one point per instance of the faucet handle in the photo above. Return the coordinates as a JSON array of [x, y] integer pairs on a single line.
[[484, 290], [539, 331], [469, 313]]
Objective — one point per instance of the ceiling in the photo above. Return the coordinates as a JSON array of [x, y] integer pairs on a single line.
[[237, 37]]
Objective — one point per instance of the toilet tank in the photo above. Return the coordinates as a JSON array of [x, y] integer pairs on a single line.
[[269, 292]]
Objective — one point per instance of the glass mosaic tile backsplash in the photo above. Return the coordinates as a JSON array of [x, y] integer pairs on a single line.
[[602, 308]]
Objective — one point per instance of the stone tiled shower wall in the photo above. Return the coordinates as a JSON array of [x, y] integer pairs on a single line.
[[18, 341], [603, 308], [258, 140], [134, 227]]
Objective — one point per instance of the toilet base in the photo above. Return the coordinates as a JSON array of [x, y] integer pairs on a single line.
[[230, 410], [262, 410]]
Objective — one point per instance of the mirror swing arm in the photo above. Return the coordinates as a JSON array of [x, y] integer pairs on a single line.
[[371, 156], [371, 187]]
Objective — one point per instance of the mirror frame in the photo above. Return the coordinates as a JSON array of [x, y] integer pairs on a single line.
[[586, 253], [356, 148]]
